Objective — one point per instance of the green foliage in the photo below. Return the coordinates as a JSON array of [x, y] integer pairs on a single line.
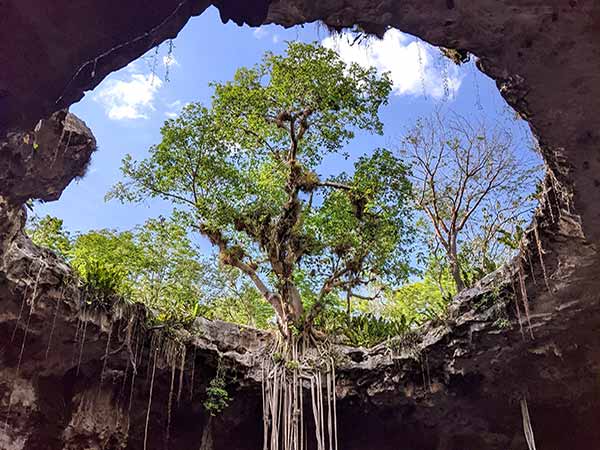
[[370, 223], [511, 238], [502, 323], [420, 301], [48, 232], [229, 297], [243, 174], [364, 326], [292, 364], [169, 275], [308, 77], [217, 397], [368, 330], [103, 258], [155, 264], [101, 284]]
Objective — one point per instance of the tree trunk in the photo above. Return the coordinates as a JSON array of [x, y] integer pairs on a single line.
[[454, 265], [455, 269], [295, 303]]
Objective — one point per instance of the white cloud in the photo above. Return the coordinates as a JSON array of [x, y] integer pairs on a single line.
[[266, 32], [170, 61], [132, 67], [412, 65], [131, 99], [175, 108], [260, 32]]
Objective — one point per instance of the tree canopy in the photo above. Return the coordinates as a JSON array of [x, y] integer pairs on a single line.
[[468, 182], [367, 254], [155, 264], [244, 174]]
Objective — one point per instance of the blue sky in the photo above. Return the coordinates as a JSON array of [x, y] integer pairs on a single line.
[[126, 111]]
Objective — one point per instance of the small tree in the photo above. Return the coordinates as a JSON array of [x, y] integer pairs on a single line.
[[469, 184], [243, 174], [155, 264], [48, 232]]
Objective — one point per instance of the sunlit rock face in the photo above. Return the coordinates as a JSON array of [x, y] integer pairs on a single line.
[[58, 388]]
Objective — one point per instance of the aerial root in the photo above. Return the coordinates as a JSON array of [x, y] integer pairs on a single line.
[[181, 372], [541, 256], [58, 302], [170, 407], [527, 428], [283, 383], [192, 375], [85, 322], [150, 398], [524, 297], [106, 353], [517, 308]]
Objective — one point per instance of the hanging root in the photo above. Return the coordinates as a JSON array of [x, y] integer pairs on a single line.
[[169, 408], [139, 346], [85, 322], [517, 307], [524, 296], [192, 375], [530, 264], [283, 382], [150, 398], [181, 372], [58, 302], [76, 340], [549, 205], [527, 429], [31, 306], [207, 439], [106, 354], [23, 301], [556, 188], [541, 256], [168, 352]]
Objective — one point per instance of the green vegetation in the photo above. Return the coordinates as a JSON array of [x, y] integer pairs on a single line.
[[366, 255], [243, 174], [154, 264], [217, 397], [464, 176], [48, 232], [367, 330]]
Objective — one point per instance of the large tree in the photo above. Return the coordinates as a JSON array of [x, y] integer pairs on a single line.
[[470, 184], [243, 173]]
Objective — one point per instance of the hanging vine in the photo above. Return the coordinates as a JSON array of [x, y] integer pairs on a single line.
[[285, 376], [527, 428]]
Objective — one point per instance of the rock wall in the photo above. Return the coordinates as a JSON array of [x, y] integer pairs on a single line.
[[67, 373], [543, 55], [65, 384]]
